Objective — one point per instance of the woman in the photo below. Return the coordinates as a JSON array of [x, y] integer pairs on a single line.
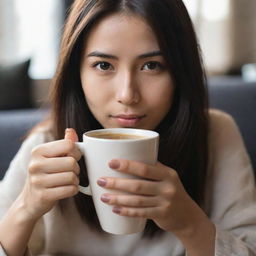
[[132, 63]]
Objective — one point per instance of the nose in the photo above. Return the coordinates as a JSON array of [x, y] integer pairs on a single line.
[[127, 90]]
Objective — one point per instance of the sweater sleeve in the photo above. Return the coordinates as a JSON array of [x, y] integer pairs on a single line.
[[13, 182], [2, 252], [231, 197], [14, 179]]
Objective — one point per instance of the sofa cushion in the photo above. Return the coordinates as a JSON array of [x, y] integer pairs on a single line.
[[15, 91]]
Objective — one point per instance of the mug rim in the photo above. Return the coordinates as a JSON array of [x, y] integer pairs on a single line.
[[149, 134]]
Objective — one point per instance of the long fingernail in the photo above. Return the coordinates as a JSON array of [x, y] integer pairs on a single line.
[[101, 182], [114, 164]]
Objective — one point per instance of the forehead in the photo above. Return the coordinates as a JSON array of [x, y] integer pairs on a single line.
[[122, 32]]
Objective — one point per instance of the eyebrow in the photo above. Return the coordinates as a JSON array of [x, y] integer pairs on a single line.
[[109, 56]]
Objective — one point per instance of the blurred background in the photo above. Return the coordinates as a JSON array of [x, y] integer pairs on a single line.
[[30, 32]]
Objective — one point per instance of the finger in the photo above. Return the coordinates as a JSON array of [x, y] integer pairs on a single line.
[[129, 200], [58, 193], [57, 149], [148, 213], [139, 187], [55, 165], [70, 134], [151, 172], [55, 180]]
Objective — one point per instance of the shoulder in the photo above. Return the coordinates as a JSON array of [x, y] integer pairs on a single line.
[[219, 119], [34, 138], [38, 137], [41, 133], [225, 141], [223, 128]]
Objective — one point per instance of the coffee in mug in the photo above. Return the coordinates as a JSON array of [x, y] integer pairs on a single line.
[[116, 136]]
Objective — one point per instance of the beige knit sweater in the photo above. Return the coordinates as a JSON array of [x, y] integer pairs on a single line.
[[231, 205]]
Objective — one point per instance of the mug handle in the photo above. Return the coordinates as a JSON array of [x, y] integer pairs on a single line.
[[84, 190]]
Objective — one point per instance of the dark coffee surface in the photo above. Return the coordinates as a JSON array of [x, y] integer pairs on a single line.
[[116, 136]]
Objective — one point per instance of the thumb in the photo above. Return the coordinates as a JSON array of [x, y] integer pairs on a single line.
[[70, 134]]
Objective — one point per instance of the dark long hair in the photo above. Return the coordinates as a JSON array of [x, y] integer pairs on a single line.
[[183, 132]]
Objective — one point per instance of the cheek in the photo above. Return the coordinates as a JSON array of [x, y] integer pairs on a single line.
[[162, 92], [92, 88], [162, 103]]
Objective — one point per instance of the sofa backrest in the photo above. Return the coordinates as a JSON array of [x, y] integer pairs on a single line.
[[237, 98], [14, 124]]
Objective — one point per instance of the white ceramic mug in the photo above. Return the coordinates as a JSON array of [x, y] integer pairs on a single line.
[[98, 152]]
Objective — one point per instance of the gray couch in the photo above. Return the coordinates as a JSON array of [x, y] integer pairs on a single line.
[[230, 94], [14, 125], [237, 98]]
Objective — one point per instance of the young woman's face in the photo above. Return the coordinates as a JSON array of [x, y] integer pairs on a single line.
[[124, 75]]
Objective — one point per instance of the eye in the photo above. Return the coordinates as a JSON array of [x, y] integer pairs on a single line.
[[103, 66], [152, 65]]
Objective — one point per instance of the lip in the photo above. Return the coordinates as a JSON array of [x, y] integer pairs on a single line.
[[128, 120]]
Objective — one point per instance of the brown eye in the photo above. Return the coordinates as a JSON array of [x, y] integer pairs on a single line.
[[104, 66], [152, 65]]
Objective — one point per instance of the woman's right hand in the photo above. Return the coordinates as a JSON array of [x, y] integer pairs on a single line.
[[52, 175]]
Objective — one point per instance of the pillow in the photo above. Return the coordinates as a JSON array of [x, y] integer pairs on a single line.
[[15, 91]]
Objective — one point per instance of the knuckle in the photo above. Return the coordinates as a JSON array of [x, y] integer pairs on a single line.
[[112, 183], [34, 167], [174, 175], [126, 212], [137, 187], [72, 178], [144, 170], [71, 162], [139, 214], [114, 200], [142, 214], [34, 180], [75, 180], [140, 201], [125, 164], [77, 168], [170, 192], [36, 150], [73, 190]]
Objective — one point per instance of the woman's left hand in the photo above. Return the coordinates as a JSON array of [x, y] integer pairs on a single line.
[[157, 194]]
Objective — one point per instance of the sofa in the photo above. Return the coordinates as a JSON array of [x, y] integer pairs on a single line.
[[238, 98], [230, 94]]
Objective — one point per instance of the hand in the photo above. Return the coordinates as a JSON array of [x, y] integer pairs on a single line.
[[52, 175], [159, 196]]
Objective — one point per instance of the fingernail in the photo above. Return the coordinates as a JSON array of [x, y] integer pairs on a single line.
[[101, 182], [116, 209], [105, 198], [114, 164]]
